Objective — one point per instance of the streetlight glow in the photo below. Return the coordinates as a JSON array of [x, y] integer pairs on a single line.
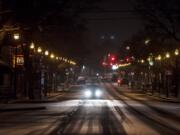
[[65, 60], [176, 52], [151, 63], [147, 41], [159, 58], [32, 46], [39, 50], [52, 56], [127, 47], [84, 67], [142, 61], [46, 53], [114, 67], [16, 36], [149, 59], [168, 55]]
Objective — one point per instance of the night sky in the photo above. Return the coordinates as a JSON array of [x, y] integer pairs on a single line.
[[113, 23], [107, 25]]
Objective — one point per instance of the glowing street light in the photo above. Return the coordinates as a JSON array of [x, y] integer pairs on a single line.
[[159, 58], [149, 59], [147, 41], [168, 55], [65, 60], [176, 52], [114, 67], [127, 47], [46, 52], [60, 58], [57, 58], [39, 50], [52, 56], [142, 61], [84, 67], [32, 46], [151, 63], [16, 36], [112, 37]]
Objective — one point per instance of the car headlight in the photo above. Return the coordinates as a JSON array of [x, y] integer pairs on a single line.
[[88, 93], [98, 93]]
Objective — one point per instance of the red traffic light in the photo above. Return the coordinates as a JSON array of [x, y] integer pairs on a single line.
[[113, 58]]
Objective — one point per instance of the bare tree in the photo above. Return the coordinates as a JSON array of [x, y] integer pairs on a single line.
[[161, 16]]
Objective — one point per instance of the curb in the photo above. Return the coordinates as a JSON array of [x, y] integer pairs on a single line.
[[38, 101], [50, 99], [22, 109]]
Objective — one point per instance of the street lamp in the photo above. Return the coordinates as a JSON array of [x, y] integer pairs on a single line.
[[176, 52], [32, 46], [168, 55], [84, 67], [128, 48], [149, 59], [46, 52], [159, 58], [147, 41], [151, 63], [39, 50], [52, 56], [16, 36], [112, 37], [65, 60], [142, 61], [115, 67], [60, 58]]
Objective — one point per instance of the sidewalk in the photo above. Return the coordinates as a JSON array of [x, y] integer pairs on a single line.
[[20, 107], [27, 104], [142, 94], [51, 97]]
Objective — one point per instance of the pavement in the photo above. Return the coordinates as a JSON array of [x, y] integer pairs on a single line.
[[139, 93], [119, 112], [27, 104], [30, 105]]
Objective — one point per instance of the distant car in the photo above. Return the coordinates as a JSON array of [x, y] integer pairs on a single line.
[[122, 81], [93, 92], [81, 80], [92, 80]]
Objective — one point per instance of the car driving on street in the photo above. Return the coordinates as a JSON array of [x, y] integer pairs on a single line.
[[93, 92]]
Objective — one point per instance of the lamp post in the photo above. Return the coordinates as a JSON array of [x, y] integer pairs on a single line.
[[177, 74], [32, 46], [40, 72], [46, 52], [16, 37], [147, 41]]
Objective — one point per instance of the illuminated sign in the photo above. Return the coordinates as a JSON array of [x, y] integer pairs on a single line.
[[19, 60], [124, 65]]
